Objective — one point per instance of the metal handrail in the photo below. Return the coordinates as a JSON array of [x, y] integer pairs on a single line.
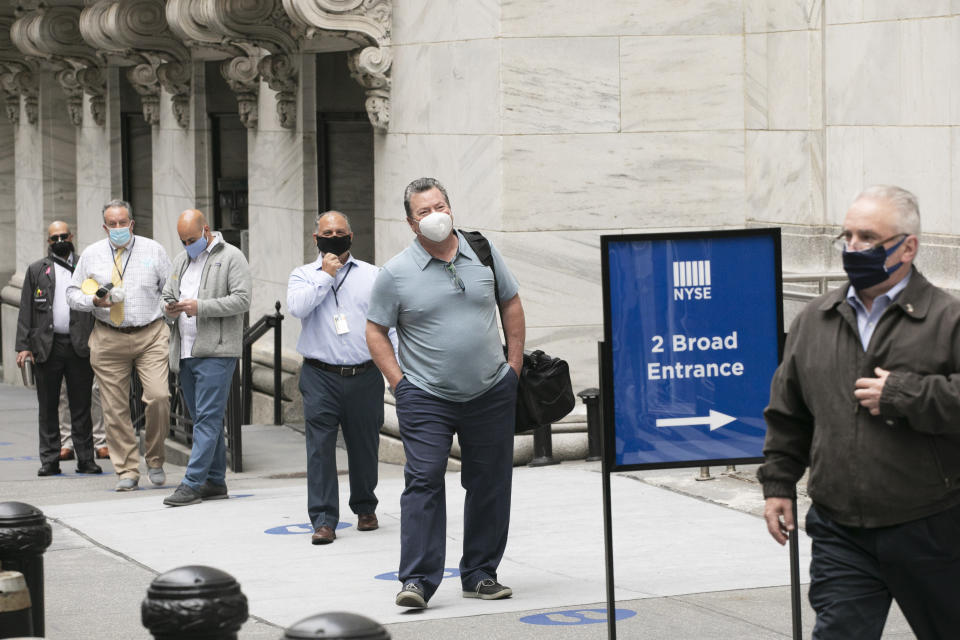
[[820, 279], [251, 335]]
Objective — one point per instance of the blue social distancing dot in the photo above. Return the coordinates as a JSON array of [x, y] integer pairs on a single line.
[[447, 573], [573, 617], [292, 529], [20, 459]]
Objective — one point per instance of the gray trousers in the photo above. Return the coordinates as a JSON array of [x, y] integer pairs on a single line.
[[356, 404]]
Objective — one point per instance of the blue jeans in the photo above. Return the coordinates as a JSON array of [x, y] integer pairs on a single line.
[[206, 386], [484, 428]]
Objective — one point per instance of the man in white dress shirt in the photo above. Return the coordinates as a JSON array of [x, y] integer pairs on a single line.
[[206, 295], [120, 279], [339, 383]]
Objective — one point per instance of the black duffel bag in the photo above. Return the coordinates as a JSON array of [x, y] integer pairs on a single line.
[[545, 393]]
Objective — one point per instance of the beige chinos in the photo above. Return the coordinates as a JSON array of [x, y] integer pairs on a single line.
[[113, 354]]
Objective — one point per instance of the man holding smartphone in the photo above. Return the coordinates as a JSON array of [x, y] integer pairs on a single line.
[[119, 279]]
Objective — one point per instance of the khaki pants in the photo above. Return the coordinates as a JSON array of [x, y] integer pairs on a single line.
[[113, 355]]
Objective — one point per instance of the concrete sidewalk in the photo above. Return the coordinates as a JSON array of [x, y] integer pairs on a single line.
[[693, 559]]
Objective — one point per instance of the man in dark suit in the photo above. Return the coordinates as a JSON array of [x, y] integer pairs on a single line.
[[55, 338]]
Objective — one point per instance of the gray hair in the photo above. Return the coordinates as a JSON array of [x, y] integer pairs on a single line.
[[117, 202], [419, 186], [332, 212], [904, 202]]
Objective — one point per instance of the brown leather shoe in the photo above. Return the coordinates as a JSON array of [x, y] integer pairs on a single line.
[[367, 522], [66, 454], [323, 535], [103, 452]]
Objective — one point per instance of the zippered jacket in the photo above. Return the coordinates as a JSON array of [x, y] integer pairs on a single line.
[[865, 470], [223, 298]]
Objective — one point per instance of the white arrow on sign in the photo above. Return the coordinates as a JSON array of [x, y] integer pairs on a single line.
[[715, 420]]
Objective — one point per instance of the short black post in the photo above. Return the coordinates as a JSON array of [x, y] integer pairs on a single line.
[[24, 535], [277, 367], [591, 398], [543, 446], [194, 602], [15, 618], [336, 625]]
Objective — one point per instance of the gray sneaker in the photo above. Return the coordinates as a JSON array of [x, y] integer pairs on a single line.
[[157, 476], [488, 589], [412, 596], [127, 484], [211, 491], [183, 496]]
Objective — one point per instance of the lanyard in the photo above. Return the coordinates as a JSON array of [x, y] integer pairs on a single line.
[[337, 288], [113, 252]]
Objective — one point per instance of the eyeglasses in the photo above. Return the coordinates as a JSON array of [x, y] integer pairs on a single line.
[[452, 270], [842, 243], [57, 237]]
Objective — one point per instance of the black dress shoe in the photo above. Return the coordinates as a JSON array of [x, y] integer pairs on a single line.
[[88, 466], [49, 469]]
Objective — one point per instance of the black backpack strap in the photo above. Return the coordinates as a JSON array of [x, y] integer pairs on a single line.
[[481, 247]]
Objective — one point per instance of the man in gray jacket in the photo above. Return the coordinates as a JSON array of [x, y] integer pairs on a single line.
[[206, 295], [868, 397]]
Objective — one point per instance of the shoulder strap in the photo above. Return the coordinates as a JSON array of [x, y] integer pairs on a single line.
[[481, 247]]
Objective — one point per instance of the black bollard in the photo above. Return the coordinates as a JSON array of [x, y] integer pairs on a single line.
[[15, 618], [24, 535], [591, 398], [543, 446], [336, 625], [194, 602]]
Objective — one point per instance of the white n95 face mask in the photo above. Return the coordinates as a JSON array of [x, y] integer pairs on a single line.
[[436, 226]]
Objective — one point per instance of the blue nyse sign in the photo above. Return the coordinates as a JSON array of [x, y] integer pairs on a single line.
[[692, 327]]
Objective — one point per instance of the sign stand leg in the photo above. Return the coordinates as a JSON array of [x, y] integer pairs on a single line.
[[795, 574], [607, 508]]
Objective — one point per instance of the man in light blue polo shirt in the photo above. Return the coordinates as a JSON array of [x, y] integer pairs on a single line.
[[451, 378]]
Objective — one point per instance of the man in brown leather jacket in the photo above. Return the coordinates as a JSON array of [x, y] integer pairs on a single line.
[[868, 396], [55, 338]]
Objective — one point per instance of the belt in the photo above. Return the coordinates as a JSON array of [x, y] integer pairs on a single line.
[[126, 329], [345, 370]]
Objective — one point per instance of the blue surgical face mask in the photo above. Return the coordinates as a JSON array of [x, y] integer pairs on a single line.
[[195, 249], [868, 268], [120, 236]]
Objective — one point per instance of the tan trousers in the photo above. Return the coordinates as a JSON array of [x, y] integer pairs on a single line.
[[113, 355], [96, 415]]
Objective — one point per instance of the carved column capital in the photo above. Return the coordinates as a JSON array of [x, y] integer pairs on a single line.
[[281, 75], [17, 78], [52, 35], [243, 77], [370, 67], [135, 32], [367, 23]]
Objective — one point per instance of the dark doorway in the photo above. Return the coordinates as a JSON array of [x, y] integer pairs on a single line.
[[136, 149], [345, 174], [229, 141]]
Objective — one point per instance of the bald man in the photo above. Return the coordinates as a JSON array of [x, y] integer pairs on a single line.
[[206, 295], [340, 385], [55, 338]]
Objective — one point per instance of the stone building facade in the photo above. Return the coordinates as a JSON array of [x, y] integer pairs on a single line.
[[550, 123]]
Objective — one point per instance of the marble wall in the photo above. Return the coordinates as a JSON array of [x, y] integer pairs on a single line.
[[552, 126]]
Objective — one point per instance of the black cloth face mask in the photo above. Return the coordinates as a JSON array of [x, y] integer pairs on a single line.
[[62, 248], [336, 245], [866, 268]]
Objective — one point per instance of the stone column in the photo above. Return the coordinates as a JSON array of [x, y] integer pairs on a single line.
[[180, 167], [46, 190], [99, 171], [283, 196]]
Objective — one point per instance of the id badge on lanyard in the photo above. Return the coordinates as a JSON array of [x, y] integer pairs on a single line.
[[340, 318]]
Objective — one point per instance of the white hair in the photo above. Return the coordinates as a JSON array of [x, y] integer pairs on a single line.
[[904, 202]]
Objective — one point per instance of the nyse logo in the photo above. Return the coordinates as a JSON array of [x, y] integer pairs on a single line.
[[691, 280]]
